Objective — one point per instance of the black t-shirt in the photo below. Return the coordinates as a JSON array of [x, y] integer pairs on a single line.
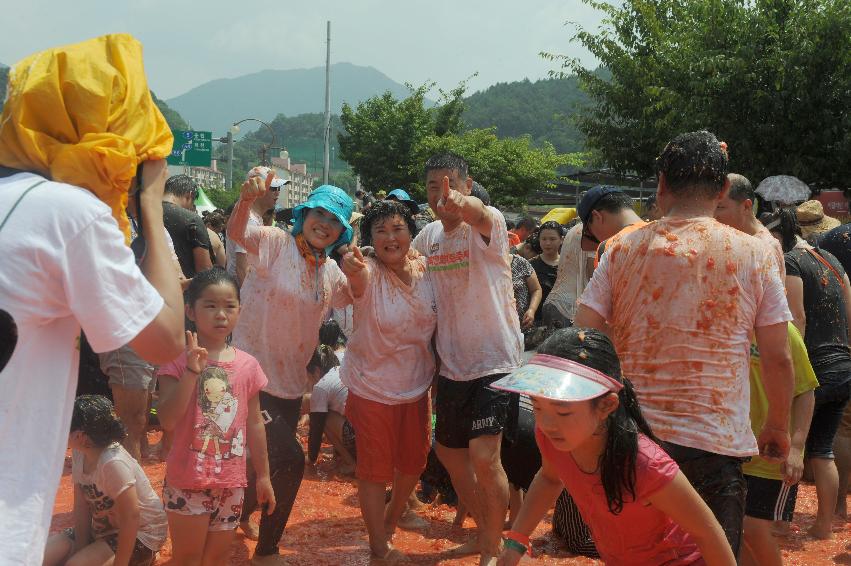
[[838, 242], [546, 277], [826, 334], [188, 232]]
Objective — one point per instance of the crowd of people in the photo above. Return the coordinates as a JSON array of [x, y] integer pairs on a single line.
[[659, 379]]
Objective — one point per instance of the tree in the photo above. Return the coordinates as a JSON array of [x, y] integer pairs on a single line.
[[770, 77], [381, 136], [172, 117], [509, 168]]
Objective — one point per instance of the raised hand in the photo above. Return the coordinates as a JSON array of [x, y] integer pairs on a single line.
[[196, 356], [451, 201], [256, 187], [353, 262]]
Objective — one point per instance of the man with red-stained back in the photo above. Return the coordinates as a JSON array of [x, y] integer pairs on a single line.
[[680, 299]]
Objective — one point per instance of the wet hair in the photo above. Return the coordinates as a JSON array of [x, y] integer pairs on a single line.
[[534, 238], [213, 276], [447, 160], [614, 202], [788, 227], [382, 210], [592, 348], [741, 188], [481, 193], [323, 359], [214, 220], [95, 417], [694, 165], [331, 335], [210, 373], [527, 222], [181, 185], [509, 225]]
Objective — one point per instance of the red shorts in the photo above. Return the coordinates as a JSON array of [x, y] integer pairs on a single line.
[[389, 437]]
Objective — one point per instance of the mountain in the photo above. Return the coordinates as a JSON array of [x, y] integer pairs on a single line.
[[172, 116], [541, 109], [217, 104]]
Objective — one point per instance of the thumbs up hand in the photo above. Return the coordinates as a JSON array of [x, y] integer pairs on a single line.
[[451, 201]]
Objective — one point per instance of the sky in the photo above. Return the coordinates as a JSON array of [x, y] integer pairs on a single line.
[[188, 43]]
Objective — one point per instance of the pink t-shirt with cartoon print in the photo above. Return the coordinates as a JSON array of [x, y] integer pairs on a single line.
[[208, 450]]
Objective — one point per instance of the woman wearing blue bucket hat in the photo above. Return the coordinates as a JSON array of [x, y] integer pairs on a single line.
[[284, 300]]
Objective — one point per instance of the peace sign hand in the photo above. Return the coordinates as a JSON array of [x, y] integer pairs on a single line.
[[196, 356]]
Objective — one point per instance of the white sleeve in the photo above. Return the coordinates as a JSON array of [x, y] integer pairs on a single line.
[[420, 242], [598, 294], [319, 397], [498, 241], [773, 307], [104, 288]]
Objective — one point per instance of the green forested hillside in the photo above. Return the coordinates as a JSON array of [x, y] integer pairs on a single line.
[[541, 109]]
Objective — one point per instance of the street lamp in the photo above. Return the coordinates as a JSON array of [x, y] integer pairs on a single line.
[[235, 129]]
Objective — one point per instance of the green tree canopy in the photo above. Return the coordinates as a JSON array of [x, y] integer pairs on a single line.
[[387, 141], [509, 168], [771, 77]]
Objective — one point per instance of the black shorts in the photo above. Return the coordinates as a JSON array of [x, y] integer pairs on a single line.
[[469, 409], [771, 500], [520, 456], [141, 556], [827, 414], [719, 481]]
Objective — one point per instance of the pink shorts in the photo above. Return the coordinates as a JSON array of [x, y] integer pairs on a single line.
[[223, 505], [389, 437]]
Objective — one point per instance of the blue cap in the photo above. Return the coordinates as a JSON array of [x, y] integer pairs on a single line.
[[334, 200], [402, 196], [591, 198]]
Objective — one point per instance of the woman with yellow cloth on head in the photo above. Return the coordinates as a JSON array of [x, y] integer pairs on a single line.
[[77, 125]]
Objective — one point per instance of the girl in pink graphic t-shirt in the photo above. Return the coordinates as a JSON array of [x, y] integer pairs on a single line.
[[595, 443], [209, 401]]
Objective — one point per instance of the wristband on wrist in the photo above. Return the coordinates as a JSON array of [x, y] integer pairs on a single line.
[[519, 537], [516, 546]]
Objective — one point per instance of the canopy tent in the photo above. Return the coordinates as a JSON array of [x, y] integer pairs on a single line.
[[203, 203]]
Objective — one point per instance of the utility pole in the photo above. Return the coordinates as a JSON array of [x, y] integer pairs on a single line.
[[326, 167], [230, 159]]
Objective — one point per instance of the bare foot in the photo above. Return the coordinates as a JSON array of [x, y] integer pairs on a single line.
[[820, 532], [410, 521], [250, 530], [390, 556], [467, 549]]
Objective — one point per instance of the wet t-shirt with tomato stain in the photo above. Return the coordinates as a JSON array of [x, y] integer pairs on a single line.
[[640, 535], [682, 297], [478, 332], [826, 332], [284, 301]]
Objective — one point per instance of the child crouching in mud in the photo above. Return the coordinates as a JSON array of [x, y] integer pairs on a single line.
[[596, 444], [118, 518]]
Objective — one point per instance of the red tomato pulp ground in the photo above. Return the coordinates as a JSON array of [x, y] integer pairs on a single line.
[[325, 528]]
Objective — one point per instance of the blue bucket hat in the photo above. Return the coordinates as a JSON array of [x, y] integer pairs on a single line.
[[334, 200]]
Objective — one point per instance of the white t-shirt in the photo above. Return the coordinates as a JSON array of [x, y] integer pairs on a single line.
[[478, 331], [682, 297], [64, 264], [389, 358], [233, 248], [116, 470], [329, 394], [284, 302], [571, 278]]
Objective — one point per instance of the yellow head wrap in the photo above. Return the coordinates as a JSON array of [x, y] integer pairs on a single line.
[[83, 115]]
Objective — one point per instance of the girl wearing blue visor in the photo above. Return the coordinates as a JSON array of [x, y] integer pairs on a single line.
[[595, 443], [285, 297]]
